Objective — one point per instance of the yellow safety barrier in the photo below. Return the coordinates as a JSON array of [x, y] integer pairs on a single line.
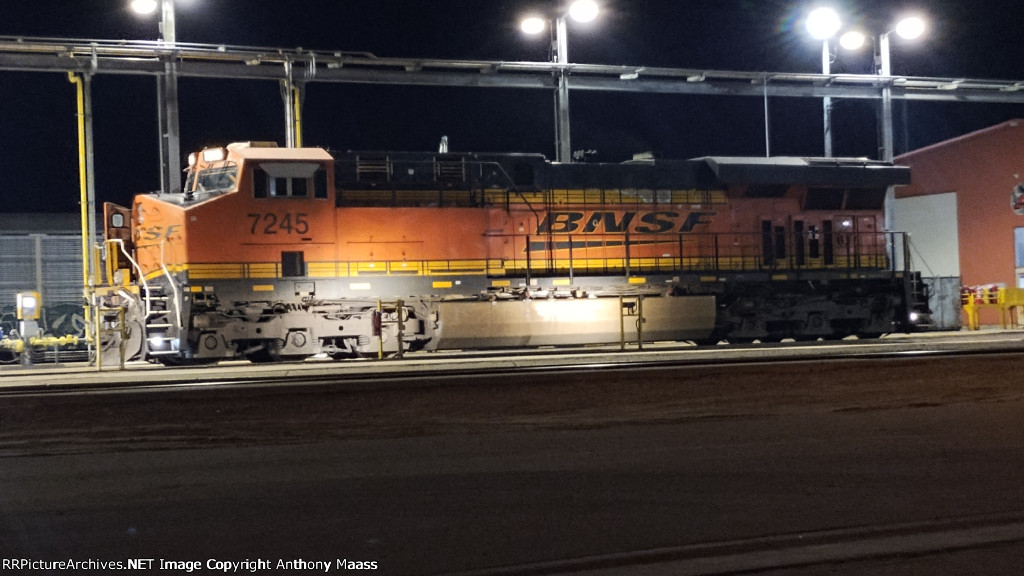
[[16, 346], [1009, 302], [46, 341]]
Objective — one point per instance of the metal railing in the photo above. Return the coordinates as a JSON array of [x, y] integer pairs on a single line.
[[604, 255]]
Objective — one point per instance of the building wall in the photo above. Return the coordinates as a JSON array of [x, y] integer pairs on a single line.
[[933, 224], [981, 169], [935, 251]]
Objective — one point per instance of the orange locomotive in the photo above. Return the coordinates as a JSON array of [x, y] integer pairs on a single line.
[[292, 252]]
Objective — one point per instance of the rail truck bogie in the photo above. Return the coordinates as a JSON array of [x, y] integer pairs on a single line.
[[277, 253]]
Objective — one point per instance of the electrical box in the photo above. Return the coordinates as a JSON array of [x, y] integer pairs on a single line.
[[28, 305]]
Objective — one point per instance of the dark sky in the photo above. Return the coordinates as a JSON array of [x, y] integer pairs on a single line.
[[974, 39]]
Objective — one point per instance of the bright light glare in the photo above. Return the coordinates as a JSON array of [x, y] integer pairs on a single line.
[[533, 25], [583, 10], [910, 28], [852, 40], [823, 23], [214, 154], [144, 6]]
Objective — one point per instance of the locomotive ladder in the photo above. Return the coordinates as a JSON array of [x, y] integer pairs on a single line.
[[157, 318]]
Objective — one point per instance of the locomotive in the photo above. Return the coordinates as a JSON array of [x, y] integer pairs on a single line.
[[280, 253]]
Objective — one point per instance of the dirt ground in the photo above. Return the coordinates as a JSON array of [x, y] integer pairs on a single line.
[[470, 404]]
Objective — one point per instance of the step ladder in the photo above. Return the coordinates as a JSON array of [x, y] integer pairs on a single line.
[[159, 319]]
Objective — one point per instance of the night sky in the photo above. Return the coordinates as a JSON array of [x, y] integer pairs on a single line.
[[971, 39]]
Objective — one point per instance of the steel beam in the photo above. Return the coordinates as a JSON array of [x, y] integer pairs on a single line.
[[211, 61]]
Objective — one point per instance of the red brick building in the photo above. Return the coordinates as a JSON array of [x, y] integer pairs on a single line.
[[958, 209]]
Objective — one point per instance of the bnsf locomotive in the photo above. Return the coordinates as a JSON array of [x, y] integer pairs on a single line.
[[295, 252]]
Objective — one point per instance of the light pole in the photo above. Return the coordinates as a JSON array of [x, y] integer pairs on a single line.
[[822, 24], [908, 28], [580, 11], [167, 94]]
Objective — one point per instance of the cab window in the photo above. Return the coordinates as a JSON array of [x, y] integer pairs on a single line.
[[216, 179], [289, 180]]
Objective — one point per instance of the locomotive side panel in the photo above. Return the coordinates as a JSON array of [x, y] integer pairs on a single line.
[[409, 242], [530, 323]]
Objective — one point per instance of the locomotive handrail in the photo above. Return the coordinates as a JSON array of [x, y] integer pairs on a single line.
[[712, 252], [135, 265], [171, 280], [414, 187]]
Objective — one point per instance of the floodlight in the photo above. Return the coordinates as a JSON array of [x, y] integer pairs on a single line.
[[910, 28], [533, 25], [144, 6], [852, 40], [583, 10], [823, 23]]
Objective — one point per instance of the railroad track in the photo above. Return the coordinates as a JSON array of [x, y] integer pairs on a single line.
[[436, 365], [796, 550]]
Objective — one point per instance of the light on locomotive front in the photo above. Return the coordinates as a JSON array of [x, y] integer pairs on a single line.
[[214, 154]]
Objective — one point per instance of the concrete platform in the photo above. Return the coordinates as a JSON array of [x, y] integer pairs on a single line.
[[46, 376]]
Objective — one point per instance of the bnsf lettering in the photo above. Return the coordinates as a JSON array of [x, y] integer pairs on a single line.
[[657, 222], [560, 223], [608, 219], [694, 219], [287, 223], [159, 232]]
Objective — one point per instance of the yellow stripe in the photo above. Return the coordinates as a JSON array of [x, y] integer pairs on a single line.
[[203, 271], [262, 287], [326, 269], [263, 270], [442, 284], [445, 267], [199, 273]]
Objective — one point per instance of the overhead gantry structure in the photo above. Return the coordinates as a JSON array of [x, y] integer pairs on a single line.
[[304, 66], [295, 68]]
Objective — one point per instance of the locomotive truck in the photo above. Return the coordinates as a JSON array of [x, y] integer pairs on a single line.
[[272, 253]]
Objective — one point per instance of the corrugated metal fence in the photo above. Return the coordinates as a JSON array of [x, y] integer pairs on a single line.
[[50, 264]]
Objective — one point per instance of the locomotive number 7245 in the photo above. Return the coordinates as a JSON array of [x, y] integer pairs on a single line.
[[287, 223]]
